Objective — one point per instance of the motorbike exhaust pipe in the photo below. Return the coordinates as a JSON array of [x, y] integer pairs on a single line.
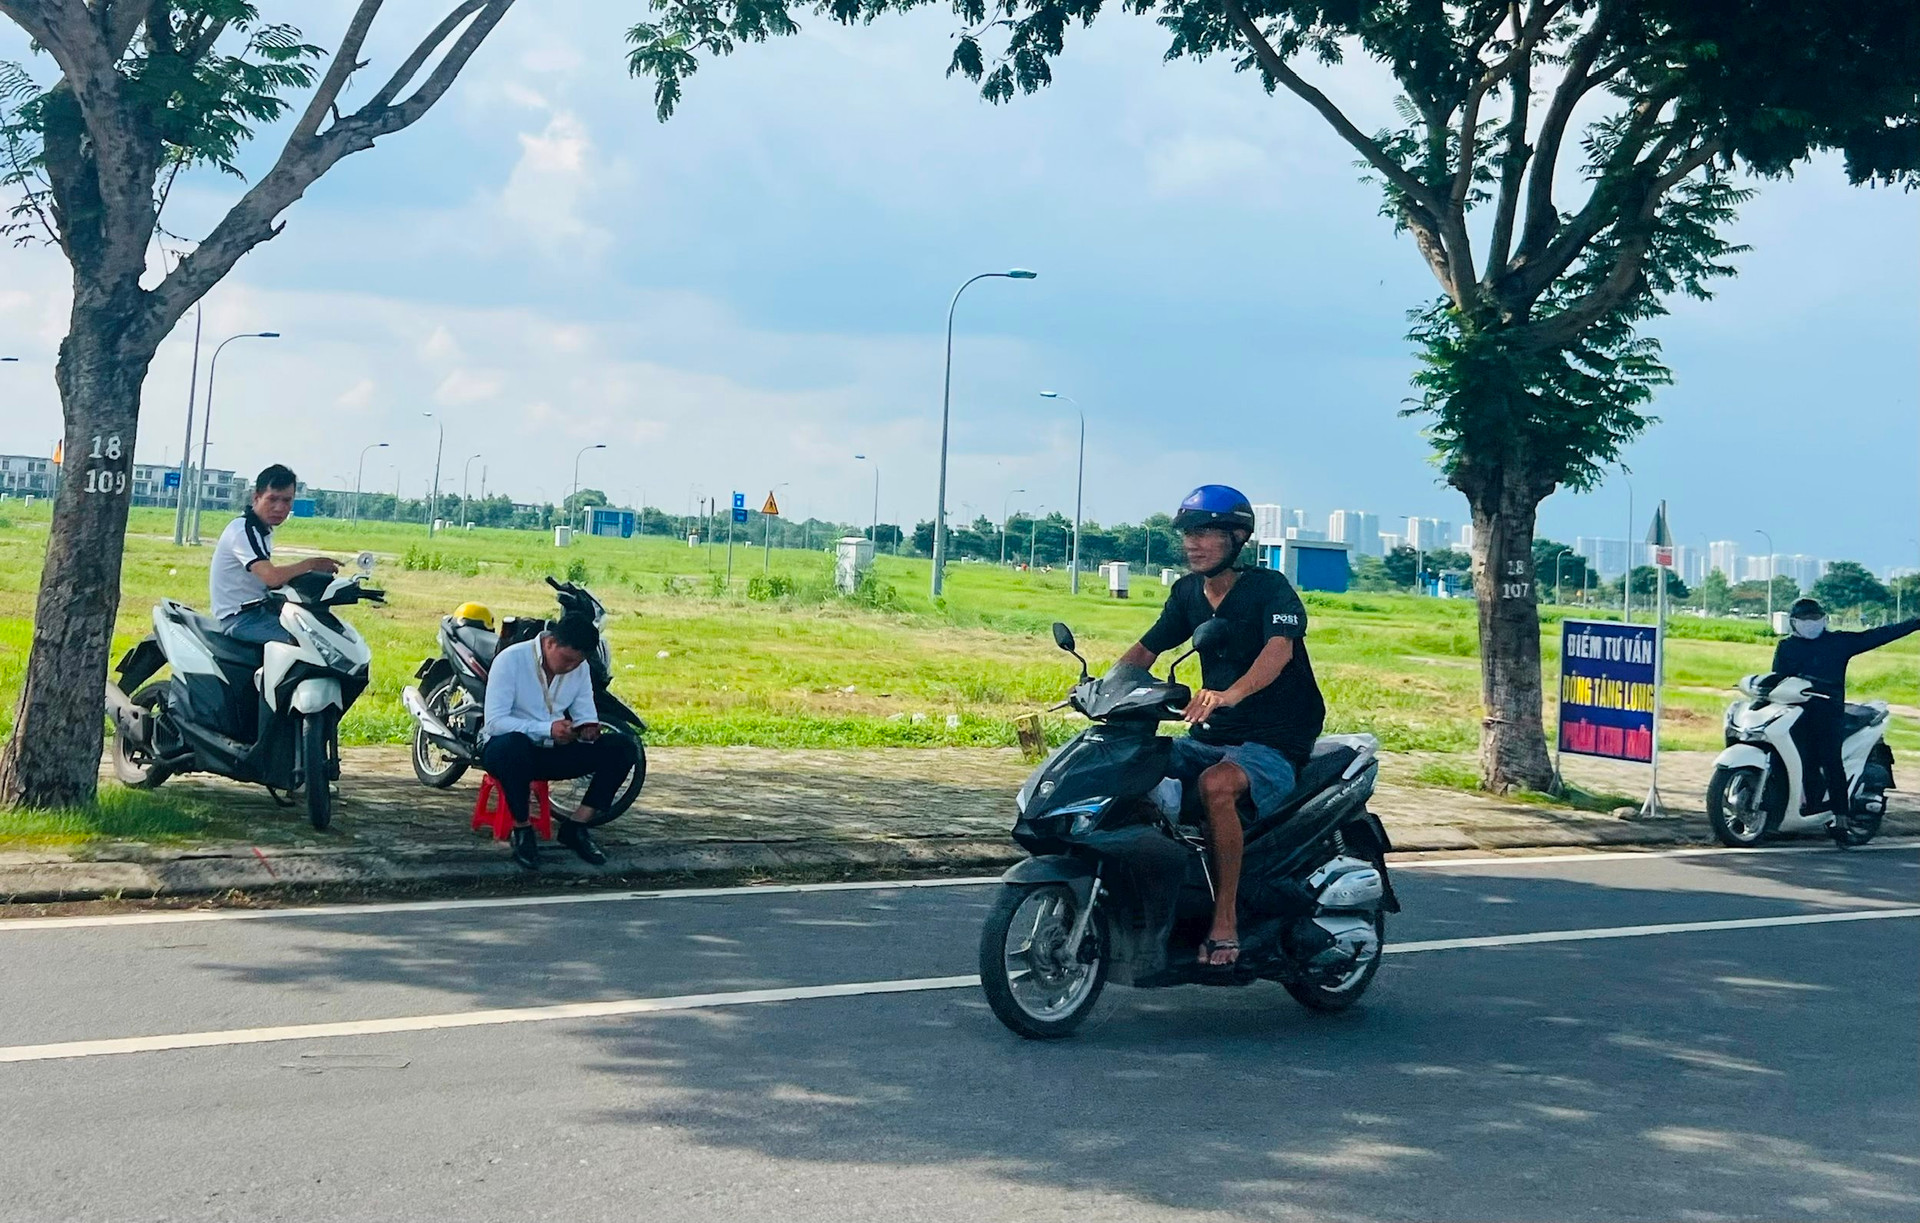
[[128, 718], [435, 728], [119, 703]]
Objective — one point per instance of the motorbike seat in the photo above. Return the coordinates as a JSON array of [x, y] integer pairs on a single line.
[[1857, 718], [483, 643], [207, 631]]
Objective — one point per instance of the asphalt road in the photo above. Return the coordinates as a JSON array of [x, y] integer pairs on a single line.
[[1716, 1071]]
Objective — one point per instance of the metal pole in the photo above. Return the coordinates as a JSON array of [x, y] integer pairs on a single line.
[[1079, 485], [433, 507], [729, 549], [206, 420], [1626, 582], [1652, 805], [946, 415], [1004, 501], [1769, 539], [186, 447], [464, 469], [358, 471]]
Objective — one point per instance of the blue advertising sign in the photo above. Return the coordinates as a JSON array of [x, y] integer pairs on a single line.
[[170, 480], [739, 501], [740, 514], [1607, 689]]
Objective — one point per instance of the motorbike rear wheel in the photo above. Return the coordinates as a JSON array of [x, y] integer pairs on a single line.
[[568, 794], [1857, 828], [1029, 982], [135, 766], [1339, 994], [436, 767], [319, 759], [1741, 812]]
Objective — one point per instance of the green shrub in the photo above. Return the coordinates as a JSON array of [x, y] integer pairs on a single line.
[[577, 571], [766, 587], [717, 585]]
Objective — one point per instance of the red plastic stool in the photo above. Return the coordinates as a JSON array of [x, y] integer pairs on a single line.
[[491, 808]]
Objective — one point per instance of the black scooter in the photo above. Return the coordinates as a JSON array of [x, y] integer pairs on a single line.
[[449, 705], [1119, 890]]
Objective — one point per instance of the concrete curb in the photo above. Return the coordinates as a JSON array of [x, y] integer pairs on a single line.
[[145, 873]]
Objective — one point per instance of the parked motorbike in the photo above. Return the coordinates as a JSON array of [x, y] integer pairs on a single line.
[[1119, 888], [268, 714], [1758, 785], [449, 704]]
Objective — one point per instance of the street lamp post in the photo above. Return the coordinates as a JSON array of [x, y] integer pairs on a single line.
[[206, 421], [1626, 579], [1033, 533], [1558, 557], [873, 533], [1769, 539], [433, 506], [464, 469], [186, 446], [1003, 523], [576, 473], [1079, 486], [358, 470], [946, 406]]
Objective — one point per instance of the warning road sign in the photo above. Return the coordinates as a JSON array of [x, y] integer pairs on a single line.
[[771, 507]]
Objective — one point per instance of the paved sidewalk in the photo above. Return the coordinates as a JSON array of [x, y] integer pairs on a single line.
[[764, 813]]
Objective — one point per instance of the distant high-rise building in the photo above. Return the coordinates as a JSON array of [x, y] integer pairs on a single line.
[[1429, 534], [1804, 570], [1269, 523], [1359, 530], [1389, 540], [1606, 557], [1465, 539], [1724, 555], [1307, 533]]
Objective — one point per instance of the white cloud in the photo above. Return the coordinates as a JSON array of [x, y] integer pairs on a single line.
[[545, 194], [359, 395], [465, 386]]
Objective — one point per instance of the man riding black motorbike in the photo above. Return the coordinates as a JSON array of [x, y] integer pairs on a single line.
[[1259, 710], [1820, 654]]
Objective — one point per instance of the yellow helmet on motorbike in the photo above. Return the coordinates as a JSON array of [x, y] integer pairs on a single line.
[[476, 614]]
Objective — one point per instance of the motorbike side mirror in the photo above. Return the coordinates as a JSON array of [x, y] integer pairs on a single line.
[[1211, 635], [364, 563], [1063, 637]]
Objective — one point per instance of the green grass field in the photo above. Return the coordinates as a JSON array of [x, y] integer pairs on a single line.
[[811, 669]]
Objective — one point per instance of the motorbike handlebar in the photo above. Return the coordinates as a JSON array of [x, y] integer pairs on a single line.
[[552, 583]]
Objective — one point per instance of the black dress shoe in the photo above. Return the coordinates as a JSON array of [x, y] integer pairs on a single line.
[[574, 835], [526, 847]]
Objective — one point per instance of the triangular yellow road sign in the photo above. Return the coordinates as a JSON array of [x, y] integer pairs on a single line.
[[771, 507]]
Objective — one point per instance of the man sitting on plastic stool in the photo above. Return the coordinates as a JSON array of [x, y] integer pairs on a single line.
[[541, 726]]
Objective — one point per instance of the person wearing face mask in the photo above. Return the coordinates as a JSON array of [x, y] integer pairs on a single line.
[[1817, 653]]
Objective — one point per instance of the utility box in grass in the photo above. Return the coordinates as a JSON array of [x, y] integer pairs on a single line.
[[1117, 574], [852, 558], [563, 536], [1310, 564]]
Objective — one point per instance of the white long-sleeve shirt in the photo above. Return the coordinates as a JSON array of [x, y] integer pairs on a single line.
[[522, 697]]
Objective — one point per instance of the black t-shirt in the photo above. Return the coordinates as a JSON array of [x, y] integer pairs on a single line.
[[1285, 715]]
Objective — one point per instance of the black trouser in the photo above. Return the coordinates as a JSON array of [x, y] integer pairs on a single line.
[[1817, 735], [517, 761]]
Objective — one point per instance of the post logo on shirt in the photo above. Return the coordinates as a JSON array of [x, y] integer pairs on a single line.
[[1288, 618]]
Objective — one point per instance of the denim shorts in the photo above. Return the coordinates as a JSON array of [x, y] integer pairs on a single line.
[[1270, 775]]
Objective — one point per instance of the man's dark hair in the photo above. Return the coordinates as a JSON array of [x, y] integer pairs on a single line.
[[576, 633], [276, 475]]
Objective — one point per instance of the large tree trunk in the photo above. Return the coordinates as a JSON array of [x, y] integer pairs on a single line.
[[1513, 745], [53, 758]]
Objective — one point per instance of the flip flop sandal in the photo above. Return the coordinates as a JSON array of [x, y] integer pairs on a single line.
[[1210, 946]]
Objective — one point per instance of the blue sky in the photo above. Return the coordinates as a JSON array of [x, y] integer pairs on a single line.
[[755, 291]]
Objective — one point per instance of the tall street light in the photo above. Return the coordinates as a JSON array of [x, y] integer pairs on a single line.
[[946, 405], [1003, 522], [206, 422], [358, 470], [433, 508], [1079, 485], [1769, 539], [1558, 557], [573, 509], [1626, 581], [186, 445], [1033, 534], [874, 533], [464, 469]]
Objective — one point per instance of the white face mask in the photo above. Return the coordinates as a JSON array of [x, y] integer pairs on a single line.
[[1809, 628]]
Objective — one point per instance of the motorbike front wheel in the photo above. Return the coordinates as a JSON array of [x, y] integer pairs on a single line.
[[434, 765], [1031, 983], [135, 766], [1743, 813], [319, 757], [629, 790]]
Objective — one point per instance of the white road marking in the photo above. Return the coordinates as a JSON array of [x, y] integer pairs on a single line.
[[690, 1002], [170, 917]]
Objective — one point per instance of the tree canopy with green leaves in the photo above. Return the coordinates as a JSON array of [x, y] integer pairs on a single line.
[[1564, 168]]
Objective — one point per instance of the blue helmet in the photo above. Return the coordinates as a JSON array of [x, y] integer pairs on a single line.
[[1214, 505]]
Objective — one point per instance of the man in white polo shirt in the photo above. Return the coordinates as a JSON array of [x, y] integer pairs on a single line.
[[541, 725], [243, 570]]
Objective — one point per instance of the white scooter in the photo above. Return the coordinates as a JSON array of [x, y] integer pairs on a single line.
[[1759, 781], [269, 715]]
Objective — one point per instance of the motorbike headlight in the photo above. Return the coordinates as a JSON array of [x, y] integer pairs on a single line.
[[1085, 814]]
